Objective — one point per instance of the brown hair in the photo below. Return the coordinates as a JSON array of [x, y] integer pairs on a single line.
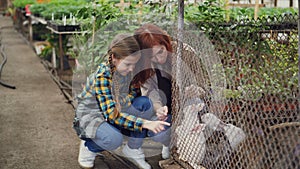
[[121, 46], [148, 36]]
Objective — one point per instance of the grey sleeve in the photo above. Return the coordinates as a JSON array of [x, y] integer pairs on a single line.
[[150, 89]]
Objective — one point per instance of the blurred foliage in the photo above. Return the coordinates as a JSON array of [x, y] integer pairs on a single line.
[[254, 66], [22, 3]]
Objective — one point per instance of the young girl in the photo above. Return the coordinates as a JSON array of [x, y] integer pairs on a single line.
[[109, 103]]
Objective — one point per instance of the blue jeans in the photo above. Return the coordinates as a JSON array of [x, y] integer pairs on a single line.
[[163, 137], [110, 136]]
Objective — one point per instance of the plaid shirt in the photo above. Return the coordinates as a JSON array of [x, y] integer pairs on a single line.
[[100, 84]]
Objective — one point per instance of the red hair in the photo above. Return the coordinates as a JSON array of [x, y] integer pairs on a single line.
[[148, 36]]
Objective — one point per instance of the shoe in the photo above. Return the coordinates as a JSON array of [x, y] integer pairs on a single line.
[[165, 153], [136, 156], [86, 158]]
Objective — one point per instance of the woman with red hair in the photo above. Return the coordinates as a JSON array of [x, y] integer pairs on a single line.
[[154, 78], [157, 50]]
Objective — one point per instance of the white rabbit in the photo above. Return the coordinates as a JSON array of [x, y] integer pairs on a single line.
[[235, 135], [191, 139]]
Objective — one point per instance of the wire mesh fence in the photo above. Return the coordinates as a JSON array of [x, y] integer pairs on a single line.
[[249, 113]]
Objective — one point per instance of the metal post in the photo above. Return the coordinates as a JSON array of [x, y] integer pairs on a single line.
[[176, 74], [298, 54], [61, 53], [180, 40], [256, 9], [30, 29], [180, 16], [180, 25]]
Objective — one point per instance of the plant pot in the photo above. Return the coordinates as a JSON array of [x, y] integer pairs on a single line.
[[58, 28], [71, 28], [63, 28], [71, 62]]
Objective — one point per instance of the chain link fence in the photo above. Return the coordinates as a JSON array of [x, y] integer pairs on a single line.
[[249, 73]]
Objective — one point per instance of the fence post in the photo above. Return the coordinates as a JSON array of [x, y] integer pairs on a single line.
[[298, 54], [180, 38], [256, 9]]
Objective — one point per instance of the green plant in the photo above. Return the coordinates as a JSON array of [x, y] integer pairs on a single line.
[[58, 8], [210, 10], [37, 9], [11, 11], [22, 3], [96, 14], [46, 53], [273, 73]]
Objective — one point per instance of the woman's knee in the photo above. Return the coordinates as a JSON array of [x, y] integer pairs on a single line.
[[163, 137], [142, 103]]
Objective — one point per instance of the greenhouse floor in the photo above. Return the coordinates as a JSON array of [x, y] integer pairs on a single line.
[[36, 119]]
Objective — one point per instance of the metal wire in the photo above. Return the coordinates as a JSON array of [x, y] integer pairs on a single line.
[[252, 98]]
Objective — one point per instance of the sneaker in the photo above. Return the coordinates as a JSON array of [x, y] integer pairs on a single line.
[[86, 158], [136, 156], [165, 153]]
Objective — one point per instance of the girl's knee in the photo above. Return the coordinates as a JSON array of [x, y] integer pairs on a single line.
[[111, 142], [115, 144], [115, 141], [108, 137]]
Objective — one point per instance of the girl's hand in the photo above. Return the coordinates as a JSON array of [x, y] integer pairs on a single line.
[[194, 91], [162, 113], [155, 126]]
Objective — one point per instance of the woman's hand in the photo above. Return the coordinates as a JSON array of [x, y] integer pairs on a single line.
[[162, 113], [155, 126], [194, 91]]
